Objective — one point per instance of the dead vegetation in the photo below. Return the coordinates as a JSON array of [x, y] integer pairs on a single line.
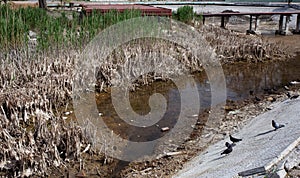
[[145, 61], [36, 139], [235, 47]]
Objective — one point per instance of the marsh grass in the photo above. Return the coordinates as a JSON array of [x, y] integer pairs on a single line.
[[68, 30]]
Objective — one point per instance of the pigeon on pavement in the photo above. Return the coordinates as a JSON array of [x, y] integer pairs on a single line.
[[228, 150], [234, 140], [288, 94], [276, 125], [294, 97], [227, 144]]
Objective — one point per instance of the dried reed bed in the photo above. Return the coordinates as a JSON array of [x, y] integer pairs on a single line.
[[143, 61], [234, 47], [34, 137]]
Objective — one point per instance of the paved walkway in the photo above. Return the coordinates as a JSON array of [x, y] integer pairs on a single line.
[[261, 147]]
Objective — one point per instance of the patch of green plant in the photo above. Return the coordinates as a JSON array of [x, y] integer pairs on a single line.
[[186, 14]]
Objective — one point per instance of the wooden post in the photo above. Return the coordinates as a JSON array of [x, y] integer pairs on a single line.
[[298, 24], [42, 4], [280, 25], [222, 22], [250, 31], [287, 19], [203, 20], [250, 27], [256, 22]]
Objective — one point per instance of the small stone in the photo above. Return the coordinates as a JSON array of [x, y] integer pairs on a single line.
[[67, 113], [228, 108], [294, 82], [286, 87], [271, 99], [81, 174], [100, 114], [234, 112], [32, 34], [165, 129], [64, 118]]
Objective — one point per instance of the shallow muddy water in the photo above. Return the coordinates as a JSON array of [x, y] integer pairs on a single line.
[[241, 78]]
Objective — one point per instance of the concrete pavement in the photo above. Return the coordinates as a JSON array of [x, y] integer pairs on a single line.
[[261, 146]]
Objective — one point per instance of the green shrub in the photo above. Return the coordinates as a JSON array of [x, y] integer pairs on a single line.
[[185, 14]]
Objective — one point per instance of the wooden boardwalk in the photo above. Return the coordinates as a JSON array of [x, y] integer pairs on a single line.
[[283, 20]]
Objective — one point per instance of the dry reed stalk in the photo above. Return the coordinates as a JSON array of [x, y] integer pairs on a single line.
[[233, 47], [33, 137]]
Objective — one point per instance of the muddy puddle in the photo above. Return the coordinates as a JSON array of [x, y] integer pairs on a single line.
[[241, 78]]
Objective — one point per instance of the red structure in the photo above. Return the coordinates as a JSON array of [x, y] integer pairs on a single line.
[[145, 9]]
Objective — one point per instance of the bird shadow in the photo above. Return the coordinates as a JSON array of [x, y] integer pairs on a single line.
[[220, 157], [264, 133]]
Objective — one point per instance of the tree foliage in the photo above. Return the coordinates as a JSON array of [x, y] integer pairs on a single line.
[[185, 14]]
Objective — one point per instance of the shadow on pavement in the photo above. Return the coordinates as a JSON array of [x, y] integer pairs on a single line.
[[264, 133]]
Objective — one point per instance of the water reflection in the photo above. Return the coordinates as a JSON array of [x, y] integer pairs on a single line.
[[240, 79]]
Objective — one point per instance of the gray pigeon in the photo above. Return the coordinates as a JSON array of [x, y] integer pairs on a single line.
[[294, 97], [234, 140], [228, 150], [276, 125], [227, 144]]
